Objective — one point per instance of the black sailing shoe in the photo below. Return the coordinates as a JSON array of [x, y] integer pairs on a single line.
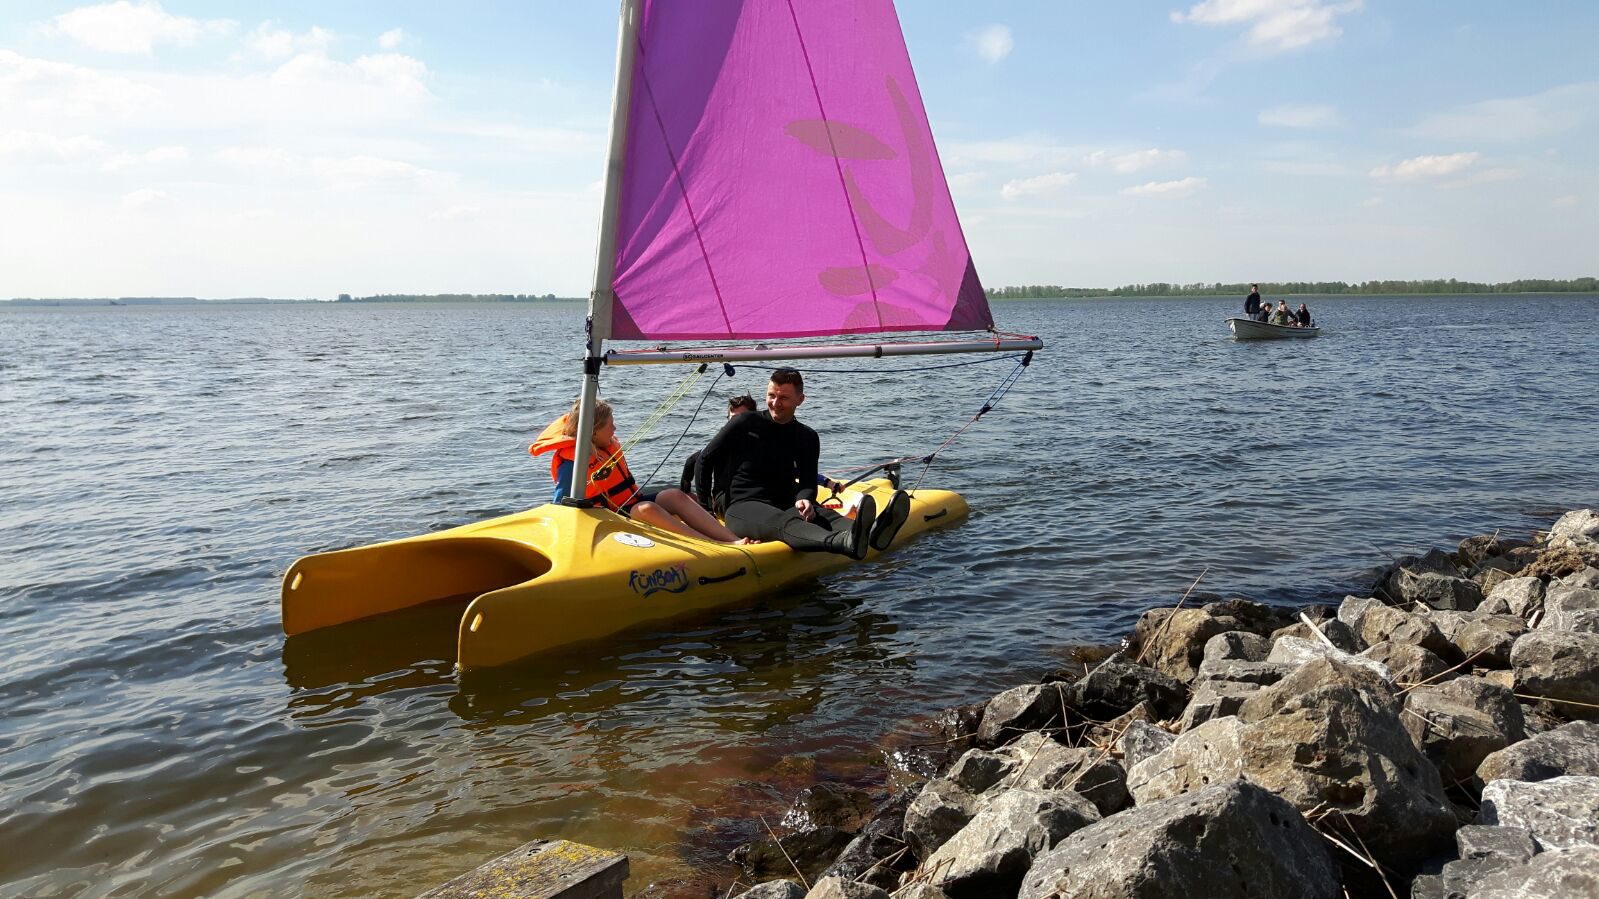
[[892, 519]]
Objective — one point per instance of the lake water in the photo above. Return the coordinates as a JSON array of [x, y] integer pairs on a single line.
[[161, 467]]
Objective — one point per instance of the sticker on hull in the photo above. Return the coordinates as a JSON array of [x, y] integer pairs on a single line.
[[671, 579]]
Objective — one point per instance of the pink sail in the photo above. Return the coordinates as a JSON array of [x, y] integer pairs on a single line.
[[781, 179]]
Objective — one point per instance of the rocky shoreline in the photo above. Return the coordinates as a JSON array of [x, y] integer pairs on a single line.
[[1436, 738]]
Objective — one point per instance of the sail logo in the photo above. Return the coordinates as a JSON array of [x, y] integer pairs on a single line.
[[671, 579]]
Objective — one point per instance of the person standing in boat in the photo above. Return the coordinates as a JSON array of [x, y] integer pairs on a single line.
[[771, 460], [612, 482], [1252, 302], [1303, 315]]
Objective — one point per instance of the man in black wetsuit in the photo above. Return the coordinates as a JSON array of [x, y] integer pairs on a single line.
[[771, 491], [1252, 302]]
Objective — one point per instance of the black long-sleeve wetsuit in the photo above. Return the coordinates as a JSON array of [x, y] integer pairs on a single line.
[[769, 467]]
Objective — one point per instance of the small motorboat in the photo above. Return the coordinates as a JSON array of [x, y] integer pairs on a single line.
[[1248, 329]]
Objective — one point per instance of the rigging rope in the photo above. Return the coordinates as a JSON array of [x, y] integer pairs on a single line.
[[988, 406], [1022, 360], [726, 372]]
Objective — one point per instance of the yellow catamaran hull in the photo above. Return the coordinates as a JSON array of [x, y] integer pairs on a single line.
[[556, 575]]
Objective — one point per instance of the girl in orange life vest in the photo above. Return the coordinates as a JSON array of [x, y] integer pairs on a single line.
[[609, 478]]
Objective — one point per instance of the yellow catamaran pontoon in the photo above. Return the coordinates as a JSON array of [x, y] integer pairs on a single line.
[[557, 575]]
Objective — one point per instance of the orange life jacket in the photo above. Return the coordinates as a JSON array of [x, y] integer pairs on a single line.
[[609, 476]]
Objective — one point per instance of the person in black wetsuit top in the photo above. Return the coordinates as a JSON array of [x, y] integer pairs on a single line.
[[770, 459], [1252, 302], [735, 405]]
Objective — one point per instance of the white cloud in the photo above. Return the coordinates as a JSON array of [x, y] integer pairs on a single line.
[[967, 180], [994, 43], [143, 199], [34, 146], [356, 172], [462, 213], [392, 38], [157, 156], [271, 42], [1299, 116], [1137, 160], [1040, 184], [1180, 188], [258, 158], [1371, 202], [39, 88], [391, 73], [124, 27], [1274, 25], [1565, 202], [1516, 118], [1425, 167]]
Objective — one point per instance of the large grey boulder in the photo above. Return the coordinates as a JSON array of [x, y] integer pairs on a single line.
[[1352, 612], [1044, 764], [1209, 754], [1297, 652], [1239, 646], [1577, 528], [1339, 634], [1559, 665], [1571, 749], [1407, 663], [876, 855], [1406, 586], [1560, 813], [1329, 736], [1562, 874], [1520, 596], [1237, 671], [980, 769], [1118, 684], [1387, 624], [1489, 841], [1458, 723], [1571, 609], [991, 854], [774, 889], [1228, 840], [1019, 710], [1587, 577], [1140, 741], [1487, 639], [1173, 640], [1214, 699], [839, 888], [937, 813]]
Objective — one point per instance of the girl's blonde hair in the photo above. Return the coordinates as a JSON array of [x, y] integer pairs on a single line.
[[602, 414]]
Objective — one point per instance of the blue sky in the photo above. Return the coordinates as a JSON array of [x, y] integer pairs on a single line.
[[303, 149]]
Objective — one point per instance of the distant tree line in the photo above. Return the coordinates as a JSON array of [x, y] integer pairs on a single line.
[[1201, 289], [456, 298]]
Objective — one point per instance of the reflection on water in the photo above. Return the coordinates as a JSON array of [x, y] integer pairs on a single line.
[[161, 468]]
